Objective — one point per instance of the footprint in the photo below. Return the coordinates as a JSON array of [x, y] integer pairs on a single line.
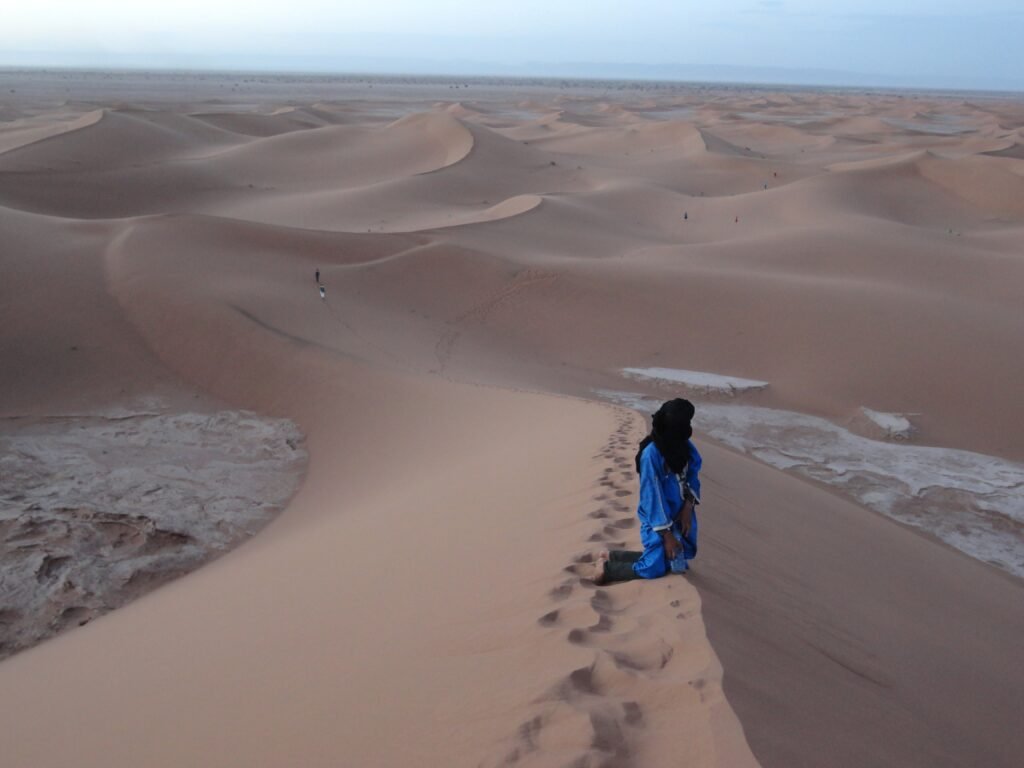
[[639, 661], [618, 526], [580, 569], [529, 731], [608, 735], [562, 591], [602, 602], [633, 713], [548, 619], [580, 681]]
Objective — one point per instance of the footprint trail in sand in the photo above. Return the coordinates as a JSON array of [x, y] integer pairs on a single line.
[[639, 649]]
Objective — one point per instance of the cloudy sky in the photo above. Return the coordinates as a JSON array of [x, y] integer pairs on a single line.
[[935, 43]]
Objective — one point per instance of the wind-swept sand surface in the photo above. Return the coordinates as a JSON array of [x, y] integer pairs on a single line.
[[504, 265]]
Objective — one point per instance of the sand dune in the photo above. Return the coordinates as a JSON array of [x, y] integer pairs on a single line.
[[261, 125], [1014, 151], [24, 132], [198, 161], [493, 268], [992, 190], [772, 139], [350, 156], [992, 186], [119, 139], [682, 138], [465, 188]]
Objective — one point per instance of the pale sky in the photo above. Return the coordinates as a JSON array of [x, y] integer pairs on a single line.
[[937, 43]]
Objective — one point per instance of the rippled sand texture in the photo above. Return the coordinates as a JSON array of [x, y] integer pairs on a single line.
[[492, 254]]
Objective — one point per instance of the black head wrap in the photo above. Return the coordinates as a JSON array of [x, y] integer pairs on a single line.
[[671, 432]]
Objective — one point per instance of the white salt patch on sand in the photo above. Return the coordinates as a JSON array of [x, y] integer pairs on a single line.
[[801, 119], [668, 113], [896, 425], [943, 125], [698, 381], [969, 500], [95, 510]]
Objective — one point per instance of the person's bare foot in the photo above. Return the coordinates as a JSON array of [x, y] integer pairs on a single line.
[[598, 577]]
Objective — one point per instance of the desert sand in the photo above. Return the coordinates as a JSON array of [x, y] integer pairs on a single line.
[[513, 273]]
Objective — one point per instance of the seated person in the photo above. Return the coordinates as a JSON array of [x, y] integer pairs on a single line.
[[669, 468]]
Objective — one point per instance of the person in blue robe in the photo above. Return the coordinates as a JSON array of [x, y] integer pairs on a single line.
[[669, 467]]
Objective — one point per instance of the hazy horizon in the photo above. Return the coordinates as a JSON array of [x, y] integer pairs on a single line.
[[946, 44]]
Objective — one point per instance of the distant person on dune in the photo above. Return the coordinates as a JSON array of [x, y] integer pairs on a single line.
[[669, 467], [323, 292], [318, 277]]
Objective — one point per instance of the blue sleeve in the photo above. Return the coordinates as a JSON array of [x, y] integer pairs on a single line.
[[693, 472], [652, 496]]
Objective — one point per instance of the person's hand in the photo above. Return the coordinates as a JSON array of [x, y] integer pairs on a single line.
[[686, 517], [672, 546]]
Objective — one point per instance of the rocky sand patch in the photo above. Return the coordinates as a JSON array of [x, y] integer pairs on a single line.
[[96, 510]]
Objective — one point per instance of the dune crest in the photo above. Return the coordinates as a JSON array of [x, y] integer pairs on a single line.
[[26, 132], [451, 137]]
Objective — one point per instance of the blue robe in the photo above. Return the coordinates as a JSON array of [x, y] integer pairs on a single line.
[[661, 499]]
